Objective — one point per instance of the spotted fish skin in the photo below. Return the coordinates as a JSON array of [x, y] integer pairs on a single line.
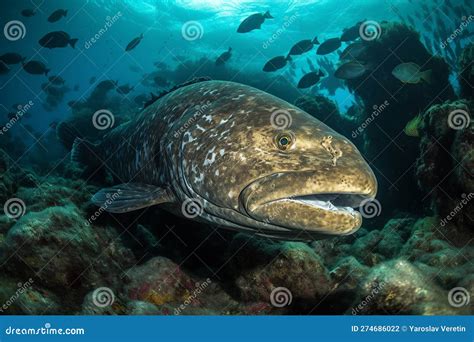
[[214, 142]]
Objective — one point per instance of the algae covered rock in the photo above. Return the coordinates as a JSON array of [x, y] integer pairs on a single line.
[[399, 288], [63, 250], [261, 267], [173, 291], [445, 165], [27, 298]]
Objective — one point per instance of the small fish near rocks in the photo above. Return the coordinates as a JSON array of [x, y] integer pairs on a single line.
[[310, 79], [329, 46], [411, 73]]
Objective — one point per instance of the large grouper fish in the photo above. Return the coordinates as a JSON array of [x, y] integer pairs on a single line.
[[236, 157]]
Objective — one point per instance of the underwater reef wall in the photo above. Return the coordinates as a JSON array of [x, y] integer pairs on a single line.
[[445, 166], [390, 104]]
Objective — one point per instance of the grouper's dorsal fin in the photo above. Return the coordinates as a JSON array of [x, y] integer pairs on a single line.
[[131, 196], [154, 97]]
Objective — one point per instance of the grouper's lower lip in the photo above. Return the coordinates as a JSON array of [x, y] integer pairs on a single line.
[[331, 214]]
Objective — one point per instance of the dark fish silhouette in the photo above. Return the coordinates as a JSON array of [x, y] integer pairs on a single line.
[[133, 44], [92, 80], [329, 46], [12, 58], [303, 46], [353, 51], [36, 68], [57, 15], [56, 80], [4, 69], [160, 81], [351, 33], [57, 39], [28, 13], [310, 79], [253, 22], [276, 63], [124, 90], [224, 57], [107, 85], [351, 70]]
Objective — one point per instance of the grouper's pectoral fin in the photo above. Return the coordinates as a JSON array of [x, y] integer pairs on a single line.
[[131, 196]]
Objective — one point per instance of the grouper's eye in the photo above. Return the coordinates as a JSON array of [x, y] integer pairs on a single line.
[[284, 141]]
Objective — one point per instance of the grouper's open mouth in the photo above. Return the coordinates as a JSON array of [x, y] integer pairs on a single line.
[[292, 201]]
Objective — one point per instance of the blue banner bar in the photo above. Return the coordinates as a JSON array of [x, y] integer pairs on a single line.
[[226, 328]]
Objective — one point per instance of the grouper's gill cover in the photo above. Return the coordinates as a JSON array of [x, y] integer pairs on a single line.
[[235, 156]]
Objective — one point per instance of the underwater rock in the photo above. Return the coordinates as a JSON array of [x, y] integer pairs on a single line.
[[158, 281], [260, 267], [26, 298], [63, 250], [393, 236], [348, 273], [433, 248], [399, 288], [326, 111], [466, 76], [138, 307], [444, 167], [390, 104], [56, 191], [166, 285]]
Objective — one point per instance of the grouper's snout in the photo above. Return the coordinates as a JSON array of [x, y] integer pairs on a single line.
[[324, 200]]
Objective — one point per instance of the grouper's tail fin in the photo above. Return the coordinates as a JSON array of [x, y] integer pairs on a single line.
[[86, 154]]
